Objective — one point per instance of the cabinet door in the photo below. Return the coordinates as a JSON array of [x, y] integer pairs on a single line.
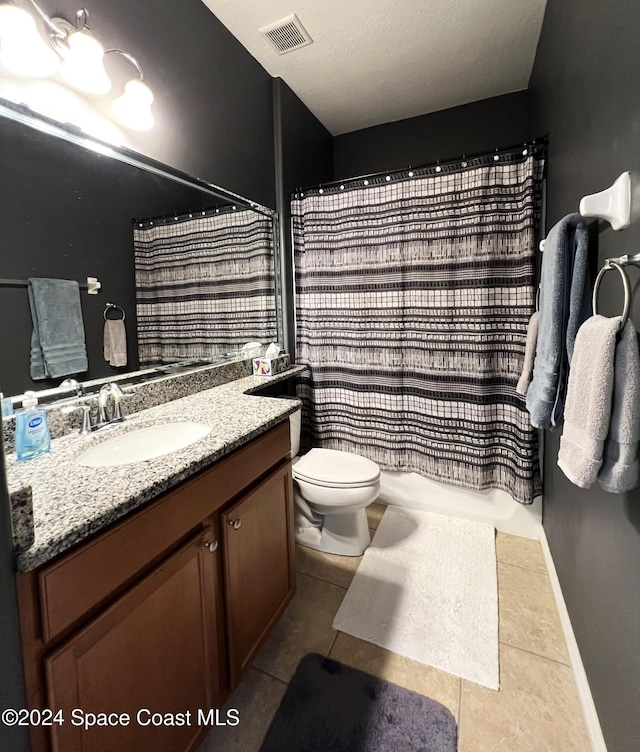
[[154, 648], [257, 536]]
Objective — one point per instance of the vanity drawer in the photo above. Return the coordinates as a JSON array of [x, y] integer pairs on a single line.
[[90, 575]]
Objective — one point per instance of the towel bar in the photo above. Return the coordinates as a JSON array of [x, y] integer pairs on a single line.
[[611, 264], [92, 285]]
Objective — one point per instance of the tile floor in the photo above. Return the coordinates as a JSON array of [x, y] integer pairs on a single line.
[[536, 709]]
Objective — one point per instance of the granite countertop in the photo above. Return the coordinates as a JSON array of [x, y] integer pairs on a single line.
[[71, 501]]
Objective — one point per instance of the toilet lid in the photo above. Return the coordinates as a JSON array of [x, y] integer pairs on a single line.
[[334, 468]]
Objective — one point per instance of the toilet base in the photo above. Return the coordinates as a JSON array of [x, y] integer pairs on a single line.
[[344, 534]]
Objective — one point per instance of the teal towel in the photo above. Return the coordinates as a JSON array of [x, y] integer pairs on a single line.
[[58, 342]]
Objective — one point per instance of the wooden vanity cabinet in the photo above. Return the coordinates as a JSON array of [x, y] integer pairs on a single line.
[[155, 648], [259, 570], [185, 591]]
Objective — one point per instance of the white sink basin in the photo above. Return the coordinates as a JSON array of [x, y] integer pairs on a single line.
[[144, 444]]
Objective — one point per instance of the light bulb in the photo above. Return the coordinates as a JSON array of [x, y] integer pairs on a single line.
[[82, 66], [22, 49], [133, 108]]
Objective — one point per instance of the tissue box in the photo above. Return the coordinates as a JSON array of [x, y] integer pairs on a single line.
[[271, 366]]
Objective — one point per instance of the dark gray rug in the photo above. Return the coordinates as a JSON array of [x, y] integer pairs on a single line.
[[329, 707]]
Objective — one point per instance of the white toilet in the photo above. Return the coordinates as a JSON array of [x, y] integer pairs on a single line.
[[332, 490]]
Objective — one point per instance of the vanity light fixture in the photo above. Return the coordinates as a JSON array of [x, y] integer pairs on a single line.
[[22, 48], [133, 108], [82, 55], [75, 53]]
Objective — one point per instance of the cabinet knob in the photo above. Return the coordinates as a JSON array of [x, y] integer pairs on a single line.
[[211, 546], [235, 524]]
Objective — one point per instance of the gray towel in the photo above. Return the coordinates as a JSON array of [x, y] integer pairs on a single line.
[[588, 408], [620, 468], [564, 304], [57, 343], [580, 308], [115, 342], [529, 354]]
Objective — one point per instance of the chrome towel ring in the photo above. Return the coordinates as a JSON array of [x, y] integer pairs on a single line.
[[111, 306], [609, 264]]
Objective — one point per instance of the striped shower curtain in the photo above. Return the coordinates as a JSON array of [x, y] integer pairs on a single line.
[[204, 285], [412, 300]]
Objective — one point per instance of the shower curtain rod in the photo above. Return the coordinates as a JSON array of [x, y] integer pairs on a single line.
[[543, 141], [166, 219]]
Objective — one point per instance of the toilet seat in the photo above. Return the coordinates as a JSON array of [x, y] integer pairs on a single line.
[[332, 468]]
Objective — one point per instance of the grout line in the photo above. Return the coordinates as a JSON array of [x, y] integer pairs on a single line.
[[333, 642], [538, 655], [519, 566], [271, 676], [322, 579]]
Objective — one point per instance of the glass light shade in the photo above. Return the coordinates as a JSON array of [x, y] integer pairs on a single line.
[[82, 67], [22, 49], [133, 108]]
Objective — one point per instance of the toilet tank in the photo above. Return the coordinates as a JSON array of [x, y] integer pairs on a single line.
[[295, 426]]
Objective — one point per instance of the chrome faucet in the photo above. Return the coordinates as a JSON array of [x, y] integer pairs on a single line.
[[104, 417]]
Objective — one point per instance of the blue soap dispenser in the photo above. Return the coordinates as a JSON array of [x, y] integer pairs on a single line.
[[32, 429]]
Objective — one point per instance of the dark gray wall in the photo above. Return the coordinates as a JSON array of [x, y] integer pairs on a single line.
[[212, 98], [475, 127], [584, 92], [304, 151]]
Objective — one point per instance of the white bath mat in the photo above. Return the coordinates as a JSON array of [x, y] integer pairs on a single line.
[[427, 589]]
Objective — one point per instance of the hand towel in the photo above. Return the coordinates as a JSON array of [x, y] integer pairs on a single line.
[[57, 342], [529, 354], [564, 298], [115, 342], [589, 395], [620, 467]]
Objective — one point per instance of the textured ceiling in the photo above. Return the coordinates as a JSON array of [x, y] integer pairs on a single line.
[[376, 61]]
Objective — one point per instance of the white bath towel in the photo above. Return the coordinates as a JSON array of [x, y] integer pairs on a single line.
[[588, 405], [620, 468]]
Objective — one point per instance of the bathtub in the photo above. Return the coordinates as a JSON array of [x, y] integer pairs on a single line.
[[494, 507]]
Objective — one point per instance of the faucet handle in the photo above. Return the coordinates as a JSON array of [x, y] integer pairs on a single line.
[[103, 399], [87, 426], [72, 385], [118, 396]]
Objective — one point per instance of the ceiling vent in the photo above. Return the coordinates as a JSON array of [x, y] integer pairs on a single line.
[[287, 34]]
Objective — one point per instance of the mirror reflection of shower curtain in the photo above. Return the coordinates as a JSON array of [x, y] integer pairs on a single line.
[[204, 285], [412, 301]]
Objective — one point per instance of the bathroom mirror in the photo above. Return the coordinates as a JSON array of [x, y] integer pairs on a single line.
[[193, 267]]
